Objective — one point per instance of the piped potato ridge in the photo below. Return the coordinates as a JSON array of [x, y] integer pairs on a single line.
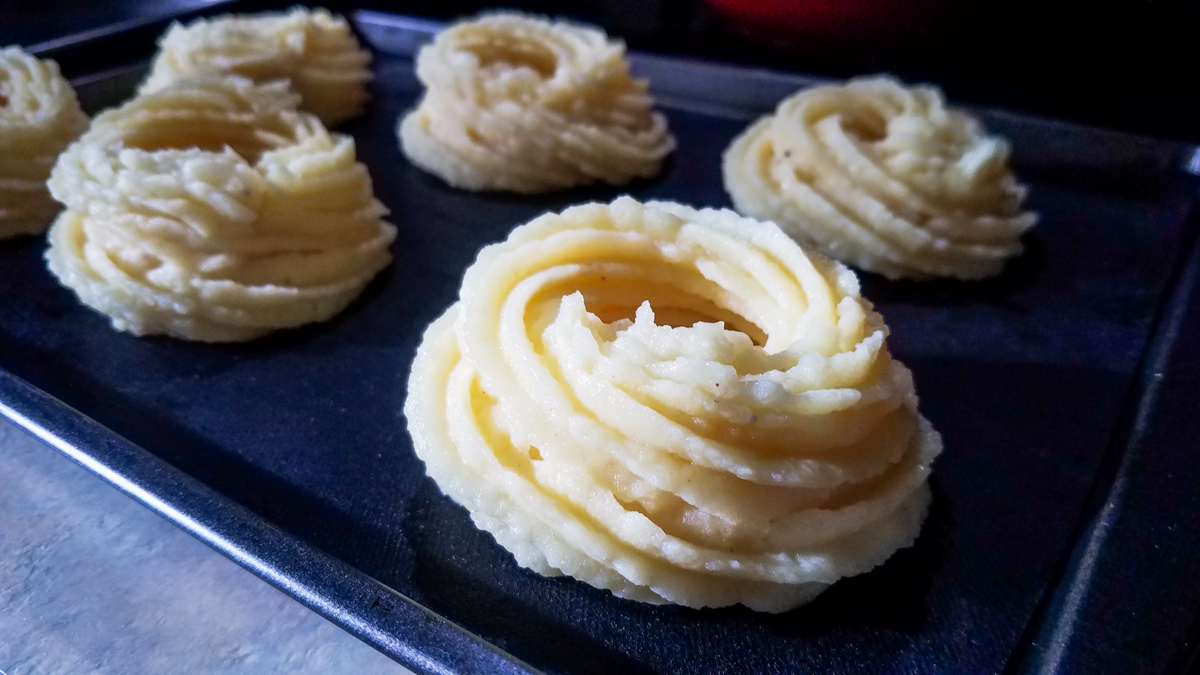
[[522, 104], [883, 177], [39, 118], [213, 210], [676, 405]]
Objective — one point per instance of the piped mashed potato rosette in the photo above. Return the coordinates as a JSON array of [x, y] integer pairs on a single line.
[[39, 117], [527, 105], [212, 210], [312, 49], [883, 177], [675, 405]]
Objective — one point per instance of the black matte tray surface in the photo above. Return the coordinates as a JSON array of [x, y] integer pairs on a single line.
[[290, 453]]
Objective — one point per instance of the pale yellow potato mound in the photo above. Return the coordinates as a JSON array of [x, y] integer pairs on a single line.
[[883, 177], [522, 104], [212, 210], [39, 117], [313, 49], [675, 405]]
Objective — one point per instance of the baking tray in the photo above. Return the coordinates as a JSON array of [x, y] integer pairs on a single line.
[[1059, 539]]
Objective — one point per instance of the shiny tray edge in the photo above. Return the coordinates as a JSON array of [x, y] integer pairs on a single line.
[[384, 618]]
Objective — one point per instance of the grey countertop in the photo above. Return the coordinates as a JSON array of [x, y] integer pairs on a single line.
[[93, 582]]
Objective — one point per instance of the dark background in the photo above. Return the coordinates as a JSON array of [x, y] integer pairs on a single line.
[[1126, 64]]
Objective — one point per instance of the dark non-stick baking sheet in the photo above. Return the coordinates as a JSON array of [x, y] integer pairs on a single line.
[[1065, 390]]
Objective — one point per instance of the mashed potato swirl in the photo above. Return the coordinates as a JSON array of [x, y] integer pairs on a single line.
[[522, 104], [39, 117], [883, 177], [212, 210], [674, 405], [313, 49]]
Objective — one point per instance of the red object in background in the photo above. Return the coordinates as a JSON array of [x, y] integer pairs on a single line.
[[796, 21]]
